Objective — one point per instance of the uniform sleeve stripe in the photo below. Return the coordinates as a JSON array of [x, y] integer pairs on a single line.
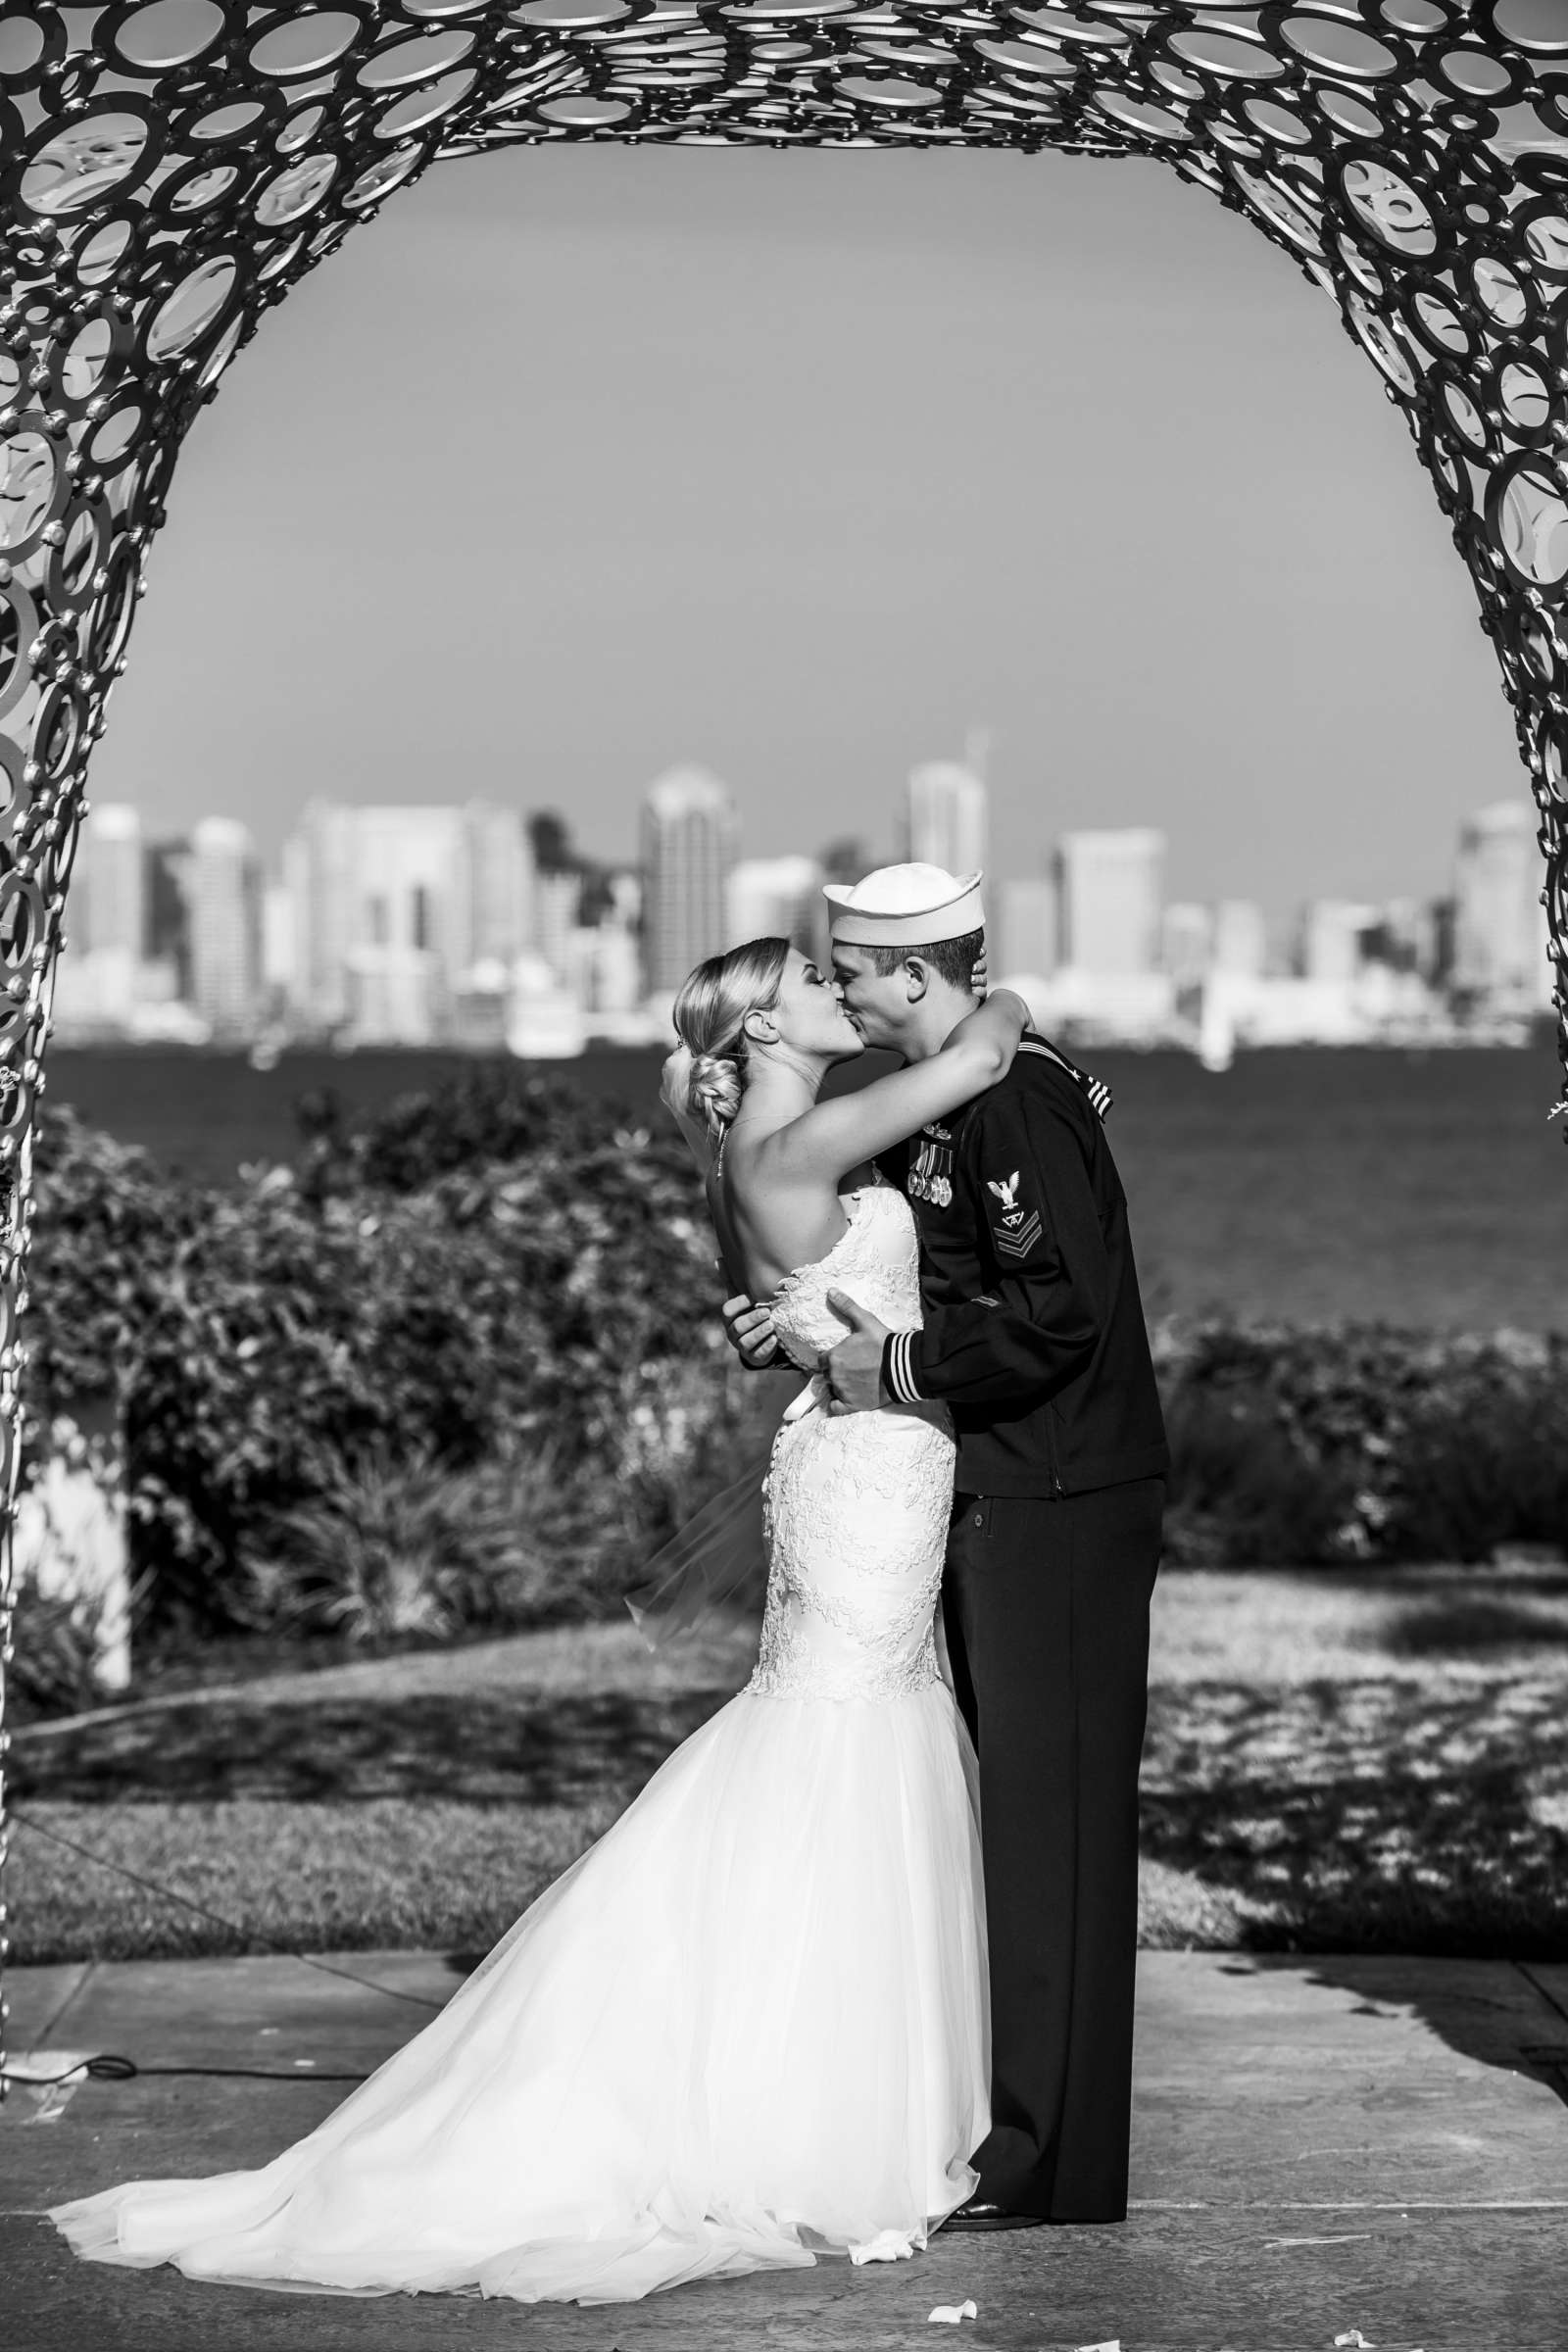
[[901, 1369]]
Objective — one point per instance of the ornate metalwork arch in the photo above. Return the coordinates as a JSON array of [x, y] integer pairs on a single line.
[[169, 169]]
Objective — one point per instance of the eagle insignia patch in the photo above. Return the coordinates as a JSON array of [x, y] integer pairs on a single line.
[[1019, 1228]]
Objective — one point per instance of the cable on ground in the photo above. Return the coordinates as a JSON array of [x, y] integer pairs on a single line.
[[286, 1951], [108, 2066]]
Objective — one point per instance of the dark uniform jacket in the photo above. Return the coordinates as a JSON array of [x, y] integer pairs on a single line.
[[1034, 1331]]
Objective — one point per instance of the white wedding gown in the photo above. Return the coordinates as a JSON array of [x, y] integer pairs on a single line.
[[747, 2026]]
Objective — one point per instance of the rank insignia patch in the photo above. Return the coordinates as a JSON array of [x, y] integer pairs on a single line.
[[1021, 1240]]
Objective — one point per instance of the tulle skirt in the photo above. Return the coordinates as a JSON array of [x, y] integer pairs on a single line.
[[747, 2026]]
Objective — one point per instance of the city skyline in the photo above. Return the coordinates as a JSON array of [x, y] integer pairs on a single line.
[[905, 809], [480, 926]]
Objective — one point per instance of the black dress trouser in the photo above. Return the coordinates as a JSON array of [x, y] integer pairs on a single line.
[[1046, 1614]]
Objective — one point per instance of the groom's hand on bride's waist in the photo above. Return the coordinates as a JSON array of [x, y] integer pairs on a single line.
[[854, 1367]]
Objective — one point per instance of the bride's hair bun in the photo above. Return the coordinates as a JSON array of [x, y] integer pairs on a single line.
[[710, 1020], [714, 1091]]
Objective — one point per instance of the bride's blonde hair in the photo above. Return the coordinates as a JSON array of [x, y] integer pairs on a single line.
[[710, 1010]]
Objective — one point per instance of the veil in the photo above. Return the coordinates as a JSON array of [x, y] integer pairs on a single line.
[[719, 1560]]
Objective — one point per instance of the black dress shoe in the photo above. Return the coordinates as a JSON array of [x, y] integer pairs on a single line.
[[984, 2213]]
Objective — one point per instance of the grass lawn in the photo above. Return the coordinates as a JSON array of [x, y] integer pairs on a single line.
[[1334, 1761]]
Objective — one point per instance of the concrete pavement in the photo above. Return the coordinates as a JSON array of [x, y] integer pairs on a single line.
[[1322, 2146]]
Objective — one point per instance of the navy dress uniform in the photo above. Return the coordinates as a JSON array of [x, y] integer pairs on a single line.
[[1034, 1337]]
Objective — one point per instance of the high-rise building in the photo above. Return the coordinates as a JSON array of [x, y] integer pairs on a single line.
[[277, 946], [168, 938], [319, 874], [493, 919], [689, 842], [1399, 937], [1501, 932], [1442, 926], [1022, 936], [945, 817], [1241, 939], [225, 886], [775, 898], [1110, 891], [383, 910], [1332, 938], [557, 904], [1186, 942], [616, 971], [109, 896]]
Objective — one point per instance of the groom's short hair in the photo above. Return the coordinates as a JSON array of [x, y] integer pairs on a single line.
[[952, 959]]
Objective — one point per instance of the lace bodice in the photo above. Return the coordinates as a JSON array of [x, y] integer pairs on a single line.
[[876, 1260], [857, 1505]]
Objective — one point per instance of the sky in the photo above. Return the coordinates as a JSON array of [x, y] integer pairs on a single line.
[[582, 461]]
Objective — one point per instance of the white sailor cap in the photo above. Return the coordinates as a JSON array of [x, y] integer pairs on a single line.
[[905, 907]]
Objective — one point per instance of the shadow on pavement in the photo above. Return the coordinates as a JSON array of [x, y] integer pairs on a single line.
[[518, 1748], [1370, 1816], [1515, 2018]]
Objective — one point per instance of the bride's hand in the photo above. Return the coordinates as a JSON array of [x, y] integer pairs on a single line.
[[749, 1331]]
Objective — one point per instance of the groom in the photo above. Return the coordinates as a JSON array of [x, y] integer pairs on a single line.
[[1034, 1336]]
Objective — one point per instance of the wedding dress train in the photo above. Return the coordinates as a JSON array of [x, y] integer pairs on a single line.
[[749, 2025]]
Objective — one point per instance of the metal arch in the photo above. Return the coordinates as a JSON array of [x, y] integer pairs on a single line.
[[169, 169]]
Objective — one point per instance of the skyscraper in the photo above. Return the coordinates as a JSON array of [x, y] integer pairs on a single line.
[[383, 909], [1186, 942], [1332, 935], [777, 897], [1500, 934], [224, 880], [1022, 938], [109, 897], [558, 906], [167, 939], [318, 875], [945, 817], [689, 842], [1241, 939], [277, 946], [493, 916], [1111, 885]]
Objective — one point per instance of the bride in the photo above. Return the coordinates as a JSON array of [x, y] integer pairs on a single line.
[[748, 2026]]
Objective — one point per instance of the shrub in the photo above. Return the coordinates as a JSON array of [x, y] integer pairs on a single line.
[[1362, 1442], [260, 1343], [1242, 1490], [490, 1115], [1483, 1465], [52, 1670], [398, 1544]]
